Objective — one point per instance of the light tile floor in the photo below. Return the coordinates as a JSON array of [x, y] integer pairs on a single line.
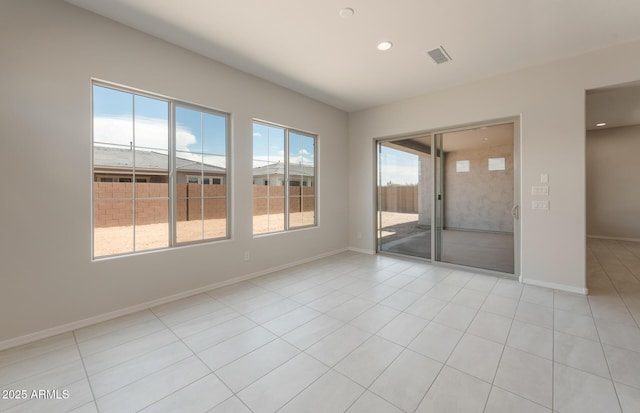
[[356, 333]]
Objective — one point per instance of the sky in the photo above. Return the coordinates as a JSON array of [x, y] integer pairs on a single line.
[[200, 136], [398, 167], [269, 147]]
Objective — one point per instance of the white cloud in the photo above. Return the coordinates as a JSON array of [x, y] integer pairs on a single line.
[[256, 134], [399, 175], [150, 133]]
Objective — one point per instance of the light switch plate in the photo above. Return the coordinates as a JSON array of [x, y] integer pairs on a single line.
[[540, 205], [540, 190], [544, 178]]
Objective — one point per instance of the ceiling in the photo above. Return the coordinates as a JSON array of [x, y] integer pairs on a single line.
[[467, 139], [616, 106], [306, 46]]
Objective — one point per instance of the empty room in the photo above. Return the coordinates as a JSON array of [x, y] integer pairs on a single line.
[[319, 206]]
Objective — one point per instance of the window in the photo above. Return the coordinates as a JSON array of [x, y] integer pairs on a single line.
[[284, 173], [144, 194], [206, 180], [463, 166], [496, 164]]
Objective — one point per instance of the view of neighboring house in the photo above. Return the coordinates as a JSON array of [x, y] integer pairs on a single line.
[[116, 165], [273, 175]]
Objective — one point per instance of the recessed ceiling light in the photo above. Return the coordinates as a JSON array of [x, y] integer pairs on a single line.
[[346, 12], [384, 46], [601, 124]]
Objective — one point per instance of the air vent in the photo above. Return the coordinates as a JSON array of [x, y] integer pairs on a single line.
[[439, 55]]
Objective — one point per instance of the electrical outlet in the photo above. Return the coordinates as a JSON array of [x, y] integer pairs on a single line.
[[246, 256]]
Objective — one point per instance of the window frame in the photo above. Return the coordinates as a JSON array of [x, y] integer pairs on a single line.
[[172, 169], [286, 179]]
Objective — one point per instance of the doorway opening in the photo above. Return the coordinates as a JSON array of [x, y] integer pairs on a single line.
[[612, 180], [451, 196]]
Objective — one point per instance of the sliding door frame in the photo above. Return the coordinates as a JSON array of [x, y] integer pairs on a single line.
[[436, 175]]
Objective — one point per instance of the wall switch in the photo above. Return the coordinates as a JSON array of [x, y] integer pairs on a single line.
[[541, 205], [540, 190], [544, 178], [246, 256]]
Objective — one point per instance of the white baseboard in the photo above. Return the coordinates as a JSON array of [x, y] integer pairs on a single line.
[[560, 287], [65, 328], [362, 250], [613, 238]]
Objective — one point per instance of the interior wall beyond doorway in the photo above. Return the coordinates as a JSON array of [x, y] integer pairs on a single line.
[[613, 182]]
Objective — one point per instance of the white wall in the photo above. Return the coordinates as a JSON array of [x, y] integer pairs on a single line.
[[551, 102], [613, 182], [49, 52]]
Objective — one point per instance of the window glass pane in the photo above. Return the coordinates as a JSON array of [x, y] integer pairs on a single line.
[[268, 213], [308, 150], [463, 166], [301, 149], [301, 211], [112, 163], [152, 224], [201, 160], [215, 217], [112, 117], [112, 226], [189, 219], [188, 130], [268, 178], [151, 124], [214, 134], [301, 180], [275, 218], [275, 139], [215, 211], [113, 170], [496, 164], [152, 173]]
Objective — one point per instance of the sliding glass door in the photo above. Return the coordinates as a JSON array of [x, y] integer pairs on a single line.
[[473, 210], [405, 191], [475, 202]]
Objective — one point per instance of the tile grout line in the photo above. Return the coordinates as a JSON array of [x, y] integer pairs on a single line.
[[404, 348], [506, 339], [329, 368], [616, 287], [604, 354], [188, 384], [93, 395], [553, 352], [444, 364]]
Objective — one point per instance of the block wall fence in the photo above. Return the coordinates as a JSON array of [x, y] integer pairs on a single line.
[[113, 203]]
